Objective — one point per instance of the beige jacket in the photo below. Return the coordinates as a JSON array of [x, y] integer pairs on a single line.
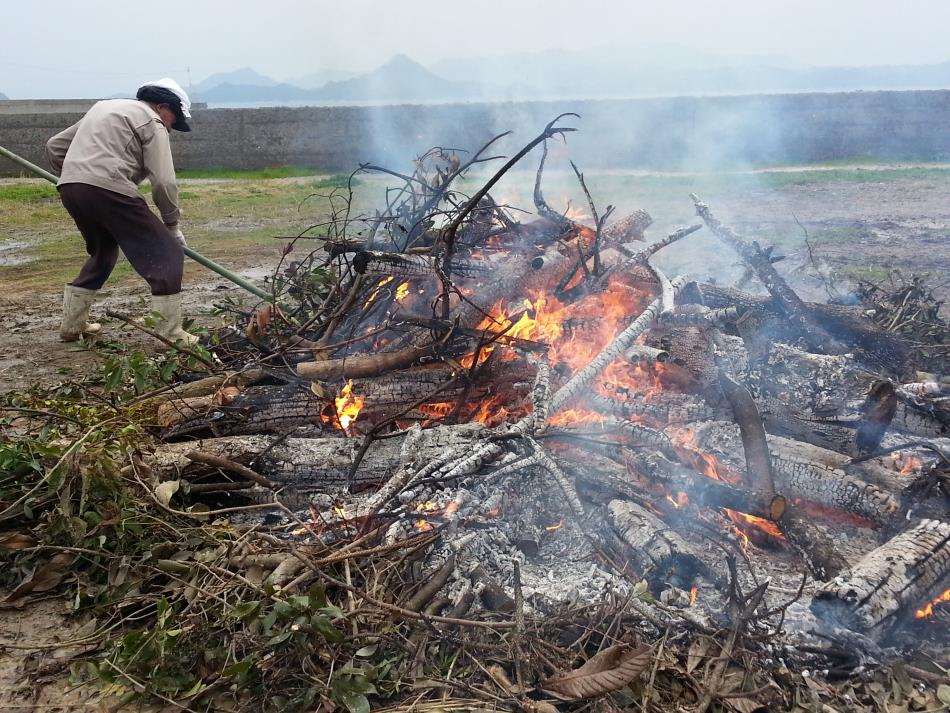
[[116, 145]]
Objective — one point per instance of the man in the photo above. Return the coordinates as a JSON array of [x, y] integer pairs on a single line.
[[101, 160]]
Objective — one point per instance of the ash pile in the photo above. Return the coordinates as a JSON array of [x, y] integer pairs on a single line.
[[528, 417]]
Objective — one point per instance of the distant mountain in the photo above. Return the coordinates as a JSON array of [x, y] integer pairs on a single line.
[[400, 79], [317, 79], [605, 72], [3, 96], [237, 93], [657, 70], [245, 75]]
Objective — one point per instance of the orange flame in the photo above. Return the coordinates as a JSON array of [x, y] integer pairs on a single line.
[[693, 593], [380, 286], [745, 522], [348, 406], [905, 463], [680, 500], [558, 526], [423, 526], [927, 611], [402, 291]]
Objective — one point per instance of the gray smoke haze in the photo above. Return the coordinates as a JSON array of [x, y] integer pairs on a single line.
[[59, 49]]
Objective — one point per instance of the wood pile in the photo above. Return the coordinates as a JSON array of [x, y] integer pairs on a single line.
[[570, 420]]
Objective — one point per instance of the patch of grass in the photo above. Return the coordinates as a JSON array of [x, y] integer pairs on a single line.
[[27, 192], [247, 174]]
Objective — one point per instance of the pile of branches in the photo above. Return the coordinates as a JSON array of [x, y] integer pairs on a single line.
[[906, 305], [203, 605]]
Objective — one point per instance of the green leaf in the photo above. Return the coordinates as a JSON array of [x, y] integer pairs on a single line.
[[326, 629], [367, 651], [354, 702], [246, 610], [238, 670], [279, 639]]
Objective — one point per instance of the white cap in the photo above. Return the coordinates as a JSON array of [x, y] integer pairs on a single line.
[[168, 91], [175, 88]]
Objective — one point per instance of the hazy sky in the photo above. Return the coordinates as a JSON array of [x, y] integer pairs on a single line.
[[88, 48]]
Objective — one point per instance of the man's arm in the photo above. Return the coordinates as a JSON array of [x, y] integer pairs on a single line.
[[157, 157], [57, 147]]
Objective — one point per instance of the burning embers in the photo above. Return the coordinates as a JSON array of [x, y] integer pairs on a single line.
[[347, 407], [927, 611]]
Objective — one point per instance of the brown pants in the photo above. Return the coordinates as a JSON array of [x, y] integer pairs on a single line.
[[109, 221]]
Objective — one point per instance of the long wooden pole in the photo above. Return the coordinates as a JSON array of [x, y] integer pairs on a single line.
[[196, 256]]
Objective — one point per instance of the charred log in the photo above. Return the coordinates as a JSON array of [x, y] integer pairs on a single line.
[[323, 463], [669, 559], [889, 582], [804, 471]]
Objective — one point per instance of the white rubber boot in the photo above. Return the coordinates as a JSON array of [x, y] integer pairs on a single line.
[[76, 304], [169, 306]]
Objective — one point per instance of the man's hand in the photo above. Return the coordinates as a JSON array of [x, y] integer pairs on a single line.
[[178, 235]]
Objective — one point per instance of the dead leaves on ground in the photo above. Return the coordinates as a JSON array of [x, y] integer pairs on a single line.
[[44, 578], [610, 670]]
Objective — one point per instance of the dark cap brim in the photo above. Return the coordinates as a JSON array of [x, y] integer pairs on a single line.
[[181, 123]]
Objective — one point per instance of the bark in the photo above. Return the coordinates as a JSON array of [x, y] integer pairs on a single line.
[[804, 471], [321, 462], [365, 365], [890, 582], [670, 559]]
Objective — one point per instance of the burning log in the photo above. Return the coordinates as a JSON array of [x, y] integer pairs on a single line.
[[629, 229], [872, 344], [582, 379], [803, 471], [704, 491], [278, 409], [379, 264], [890, 582], [667, 558], [320, 463], [816, 548], [257, 409], [365, 365]]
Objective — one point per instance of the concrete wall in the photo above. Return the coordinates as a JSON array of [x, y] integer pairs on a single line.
[[682, 132]]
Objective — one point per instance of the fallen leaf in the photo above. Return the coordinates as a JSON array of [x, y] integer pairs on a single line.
[[16, 541], [943, 693], [164, 491], [43, 579], [745, 705], [611, 669], [697, 652]]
